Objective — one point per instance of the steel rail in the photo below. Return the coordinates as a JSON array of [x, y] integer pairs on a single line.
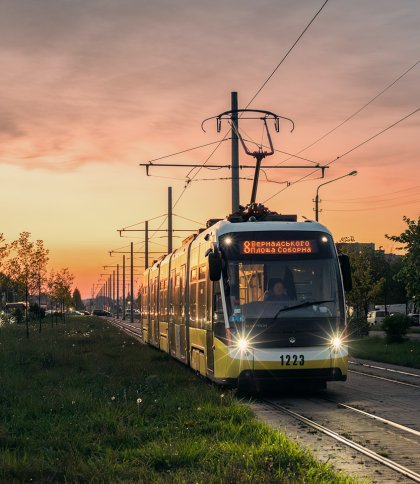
[[385, 379], [376, 417], [384, 368], [349, 443], [135, 334]]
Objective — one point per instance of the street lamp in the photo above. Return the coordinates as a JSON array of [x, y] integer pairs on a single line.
[[352, 173]]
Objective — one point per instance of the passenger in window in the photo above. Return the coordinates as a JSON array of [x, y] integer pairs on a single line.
[[276, 291]]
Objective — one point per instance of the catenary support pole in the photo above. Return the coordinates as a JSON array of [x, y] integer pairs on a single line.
[[113, 293], [146, 245], [123, 289], [169, 220], [118, 291], [235, 153], [131, 284]]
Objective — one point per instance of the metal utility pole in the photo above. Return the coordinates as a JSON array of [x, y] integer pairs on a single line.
[[113, 292], [123, 289], [146, 245], [110, 293], [235, 152], [169, 220], [118, 291], [132, 284], [316, 206]]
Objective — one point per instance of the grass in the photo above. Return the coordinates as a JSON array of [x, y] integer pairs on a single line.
[[84, 403], [406, 353]]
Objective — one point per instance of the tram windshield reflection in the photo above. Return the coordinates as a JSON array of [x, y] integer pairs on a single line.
[[269, 291]]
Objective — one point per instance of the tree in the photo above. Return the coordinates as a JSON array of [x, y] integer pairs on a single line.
[[61, 287], [77, 299], [392, 291], [20, 267], [409, 273], [4, 249], [4, 252], [365, 286], [40, 261]]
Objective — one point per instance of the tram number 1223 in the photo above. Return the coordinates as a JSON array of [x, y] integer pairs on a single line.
[[292, 360]]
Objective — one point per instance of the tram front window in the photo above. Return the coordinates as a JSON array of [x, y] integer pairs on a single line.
[[274, 298]]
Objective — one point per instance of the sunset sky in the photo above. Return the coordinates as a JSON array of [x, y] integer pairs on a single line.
[[91, 88]]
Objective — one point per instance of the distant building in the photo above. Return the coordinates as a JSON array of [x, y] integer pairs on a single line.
[[358, 246], [355, 246]]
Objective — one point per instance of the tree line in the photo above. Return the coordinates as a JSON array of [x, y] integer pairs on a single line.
[[24, 273], [381, 280]]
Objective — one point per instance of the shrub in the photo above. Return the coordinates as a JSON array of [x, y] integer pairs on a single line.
[[358, 327], [35, 312], [19, 315], [395, 327]]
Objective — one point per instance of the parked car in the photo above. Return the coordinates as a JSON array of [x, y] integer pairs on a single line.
[[101, 312], [136, 312], [414, 317], [375, 317]]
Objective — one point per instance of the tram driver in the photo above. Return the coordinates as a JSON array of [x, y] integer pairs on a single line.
[[276, 291]]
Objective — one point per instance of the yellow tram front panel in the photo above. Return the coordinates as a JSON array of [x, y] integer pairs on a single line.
[[230, 362]]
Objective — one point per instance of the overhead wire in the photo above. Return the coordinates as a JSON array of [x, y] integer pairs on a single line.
[[143, 221], [372, 208], [188, 219], [286, 55], [185, 151], [347, 152], [356, 112], [415, 187]]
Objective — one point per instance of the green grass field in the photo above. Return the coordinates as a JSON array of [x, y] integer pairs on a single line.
[[406, 353], [84, 403]]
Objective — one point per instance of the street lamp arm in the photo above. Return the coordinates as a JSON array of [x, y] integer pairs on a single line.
[[352, 173], [335, 179]]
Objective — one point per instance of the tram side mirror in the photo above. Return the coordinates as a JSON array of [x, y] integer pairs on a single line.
[[346, 272], [215, 266]]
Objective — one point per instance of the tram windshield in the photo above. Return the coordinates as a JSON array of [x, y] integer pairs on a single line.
[[283, 288]]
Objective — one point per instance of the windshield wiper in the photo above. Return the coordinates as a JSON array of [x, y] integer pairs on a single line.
[[303, 305]]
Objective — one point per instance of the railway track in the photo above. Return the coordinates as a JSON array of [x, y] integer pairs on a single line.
[[371, 371], [391, 464], [133, 331]]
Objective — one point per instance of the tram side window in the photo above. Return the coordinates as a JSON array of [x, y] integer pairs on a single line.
[[177, 299], [144, 303], [153, 299], [172, 293], [202, 296], [193, 297], [182, 283], [163, 299]]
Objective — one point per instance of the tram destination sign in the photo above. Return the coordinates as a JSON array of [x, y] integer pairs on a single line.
[[277, 247]]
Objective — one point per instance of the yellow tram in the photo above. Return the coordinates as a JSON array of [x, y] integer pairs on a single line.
[[252, 300]]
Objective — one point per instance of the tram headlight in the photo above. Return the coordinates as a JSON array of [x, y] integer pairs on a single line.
[[336, 343], [242, 344]]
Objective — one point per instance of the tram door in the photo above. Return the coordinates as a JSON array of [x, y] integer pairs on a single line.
[[173, 312], [208, 318], [182, 338]]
